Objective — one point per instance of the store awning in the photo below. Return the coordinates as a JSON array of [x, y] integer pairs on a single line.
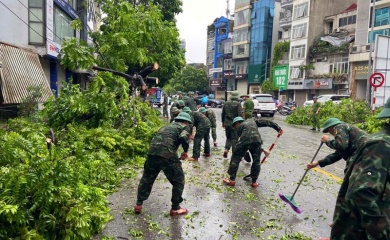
[[20, 70]]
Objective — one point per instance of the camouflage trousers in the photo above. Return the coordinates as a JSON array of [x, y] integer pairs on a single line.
[[248, 115], [231, 137], [214, 134], [316, 121], [201, 134], [165, 111], [172, 170], [239, 153]]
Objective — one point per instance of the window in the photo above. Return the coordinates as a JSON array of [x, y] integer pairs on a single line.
[[280, 35], [220, 62], [242, 3], [228, 64], [347, 21], [241, 35], [298, 52], [338, 64], [385, 32], [241, 51], [210, 44], [300, 10], [241, 67], [228, 47], [299, 31], [220, 47], [382, 16], [210, 57], [286, 34], [35, 22], [72, 3], [295, 73], [242, 17], [62, 28]]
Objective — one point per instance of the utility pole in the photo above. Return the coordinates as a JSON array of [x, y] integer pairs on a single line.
[[369, 72], [227, 9]]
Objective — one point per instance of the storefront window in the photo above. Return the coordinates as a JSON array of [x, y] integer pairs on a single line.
[[62, 28]]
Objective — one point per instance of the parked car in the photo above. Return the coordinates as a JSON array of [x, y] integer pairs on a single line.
[[328, 97], [266, 105], [212, 102]]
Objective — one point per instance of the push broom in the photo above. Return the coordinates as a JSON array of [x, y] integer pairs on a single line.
[[247, 178], [290, 199]]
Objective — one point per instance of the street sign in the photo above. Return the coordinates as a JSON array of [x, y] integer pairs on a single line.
[[215, 70], [377, 79]]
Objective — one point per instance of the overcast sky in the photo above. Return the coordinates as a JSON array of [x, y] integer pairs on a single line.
[[193, 22]]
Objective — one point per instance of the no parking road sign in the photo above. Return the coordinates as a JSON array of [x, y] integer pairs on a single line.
[[377, 79]]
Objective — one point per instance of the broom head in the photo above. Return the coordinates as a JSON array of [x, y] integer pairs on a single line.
[[291, 202]]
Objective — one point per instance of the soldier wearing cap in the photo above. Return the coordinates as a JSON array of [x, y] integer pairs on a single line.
[[190, 101], [347, 139], [180, 95], [162, 156], [179, 104], [202, 125], [249, 139], [230, 110], [315, 114], [211, 116], [363, 202], [248, 107], [174, 112]]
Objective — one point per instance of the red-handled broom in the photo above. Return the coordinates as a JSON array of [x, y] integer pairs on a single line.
[[290, 199], [247, 178]]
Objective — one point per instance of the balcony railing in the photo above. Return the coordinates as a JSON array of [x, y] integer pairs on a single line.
[[317, 50], [286, 2], [285, 21]]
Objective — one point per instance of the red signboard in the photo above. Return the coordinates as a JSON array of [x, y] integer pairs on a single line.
[[216, 82]]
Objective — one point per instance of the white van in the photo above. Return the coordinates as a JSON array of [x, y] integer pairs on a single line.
[[328, 97], [266, 105]]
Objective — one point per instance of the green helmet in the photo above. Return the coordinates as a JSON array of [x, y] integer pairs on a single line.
[[186, 109], [386, 111], [330, 122], [190, 92], [181, 103], [186, 97], [175, 110], [235, 95], [179, 92], [184, 116], [237, 119], [202, 110]]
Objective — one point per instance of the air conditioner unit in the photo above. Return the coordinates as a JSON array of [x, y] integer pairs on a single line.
[[367, 48], [312, 60], [356, 49], [324, 58]]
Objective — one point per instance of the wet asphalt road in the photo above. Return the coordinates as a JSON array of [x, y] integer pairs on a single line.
[[221, 212]]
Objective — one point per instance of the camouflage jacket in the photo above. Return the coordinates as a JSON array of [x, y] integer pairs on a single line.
[[248, 131], [190, 102], [175, 104], [199, 120], [168, 139], [212, 118], [249, 105], [363, 203], [166, 101], [230, 110], [347, 140]]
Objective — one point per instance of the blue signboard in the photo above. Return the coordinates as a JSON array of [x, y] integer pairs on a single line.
[[67, 8]]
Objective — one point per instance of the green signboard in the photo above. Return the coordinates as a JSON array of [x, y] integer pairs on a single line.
[[256, 73], [280, 76]]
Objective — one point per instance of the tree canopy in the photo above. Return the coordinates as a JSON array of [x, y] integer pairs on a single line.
[[169, 8], [189, 79]]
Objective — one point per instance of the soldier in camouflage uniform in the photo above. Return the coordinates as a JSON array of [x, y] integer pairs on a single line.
[[174, 112], [363, 203], [179, 104], [165, 105], [347, 139], [248, 107], [211, 116], [202, 125], [249, 139], [315, 114], [231, 109], [190, 102], [162, 156]]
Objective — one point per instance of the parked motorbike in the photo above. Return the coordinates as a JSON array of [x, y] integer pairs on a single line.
[[287, 109]]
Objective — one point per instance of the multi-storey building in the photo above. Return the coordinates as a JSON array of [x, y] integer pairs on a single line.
[[210, 50], [262, 40], [307, 21], [241, 44], [41, 25]]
